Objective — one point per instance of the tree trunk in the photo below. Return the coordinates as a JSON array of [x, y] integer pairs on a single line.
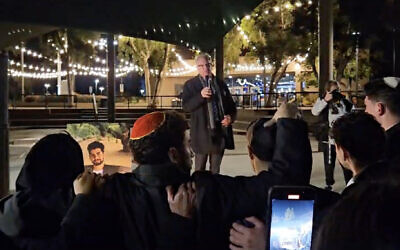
[[264, 81], [147, 82], [314, 69], [161, 73], [275, 78], [271, 95]]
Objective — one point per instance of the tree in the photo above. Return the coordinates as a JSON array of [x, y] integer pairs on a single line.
[[378, 21], [73, 46], [234, 46], [272, 41], [152, 56], [346, 38]]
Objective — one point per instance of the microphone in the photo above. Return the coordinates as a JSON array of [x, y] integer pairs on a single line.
[[208, 81], [211, 117]]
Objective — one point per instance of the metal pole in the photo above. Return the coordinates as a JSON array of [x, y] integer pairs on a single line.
[[4, 127], [357, 53], [59, 73], [22, 71], [394, 52], [325, 43], [111, 77]]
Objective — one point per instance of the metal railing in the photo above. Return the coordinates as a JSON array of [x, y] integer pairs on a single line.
[[45, 101], [302, 99], [249, 101], [158, 101]]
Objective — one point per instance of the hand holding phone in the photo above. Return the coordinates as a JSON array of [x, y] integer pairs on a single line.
[[248, 233]]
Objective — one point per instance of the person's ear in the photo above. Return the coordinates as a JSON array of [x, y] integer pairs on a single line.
[[380, 109], [346, 155], [173, 155], [250, 151]]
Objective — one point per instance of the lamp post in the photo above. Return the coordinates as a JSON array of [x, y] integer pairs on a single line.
[[95, 85], [47, 86], [357, 35]]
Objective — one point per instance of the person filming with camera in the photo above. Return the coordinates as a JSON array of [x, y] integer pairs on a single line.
[[330, 107]]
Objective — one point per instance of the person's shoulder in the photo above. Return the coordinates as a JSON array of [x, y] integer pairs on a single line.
[[88, 168], [111, 169], [191, 81]]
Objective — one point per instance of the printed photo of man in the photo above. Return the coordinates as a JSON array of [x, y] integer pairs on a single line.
[[96, 156]]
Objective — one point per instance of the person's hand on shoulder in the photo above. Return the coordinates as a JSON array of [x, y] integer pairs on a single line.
[[242, 237], [182, 202], [85, 183]]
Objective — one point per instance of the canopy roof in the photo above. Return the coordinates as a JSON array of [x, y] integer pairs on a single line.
[[195, 24]]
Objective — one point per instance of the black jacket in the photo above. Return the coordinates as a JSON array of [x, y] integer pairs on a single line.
[[142, 210], [376, 172], [193, 102], [393, 146]]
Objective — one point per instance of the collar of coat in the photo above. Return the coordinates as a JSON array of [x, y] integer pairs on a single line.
[[160, 174]]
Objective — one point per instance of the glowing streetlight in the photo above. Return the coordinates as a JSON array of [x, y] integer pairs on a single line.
[[47, 86], [101, 88], [95, 85]]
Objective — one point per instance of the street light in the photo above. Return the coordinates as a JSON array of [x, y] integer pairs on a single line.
[[101, 88], [96, 82], [357, 35], [47, 86]]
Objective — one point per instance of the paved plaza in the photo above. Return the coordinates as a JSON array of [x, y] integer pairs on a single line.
[[235, 162]]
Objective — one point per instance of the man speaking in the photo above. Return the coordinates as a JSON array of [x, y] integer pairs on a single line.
[[212, 112]]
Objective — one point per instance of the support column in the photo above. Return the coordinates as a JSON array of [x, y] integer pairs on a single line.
[[325, 43], [219, 59], [22, 71], [111, 78], [4, 127]]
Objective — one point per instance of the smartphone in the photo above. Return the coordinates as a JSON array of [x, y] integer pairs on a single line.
[[290, 216]]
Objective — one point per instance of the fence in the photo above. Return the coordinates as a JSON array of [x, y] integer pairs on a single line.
[[245, 101]]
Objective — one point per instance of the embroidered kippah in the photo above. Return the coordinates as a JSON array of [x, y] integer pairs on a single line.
[[392, 82], [147, 124]]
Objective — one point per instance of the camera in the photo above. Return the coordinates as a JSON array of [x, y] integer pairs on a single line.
[[336, 95]]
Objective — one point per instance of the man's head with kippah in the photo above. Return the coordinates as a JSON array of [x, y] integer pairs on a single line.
[[261, 144], [162, 138], [382, 100]]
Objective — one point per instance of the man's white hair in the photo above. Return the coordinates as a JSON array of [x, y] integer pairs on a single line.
[[203, 55]]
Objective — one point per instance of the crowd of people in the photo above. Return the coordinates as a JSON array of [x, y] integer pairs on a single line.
[[162, 205]]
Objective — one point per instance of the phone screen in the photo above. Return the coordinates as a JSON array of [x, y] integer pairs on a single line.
[[291, 224]]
